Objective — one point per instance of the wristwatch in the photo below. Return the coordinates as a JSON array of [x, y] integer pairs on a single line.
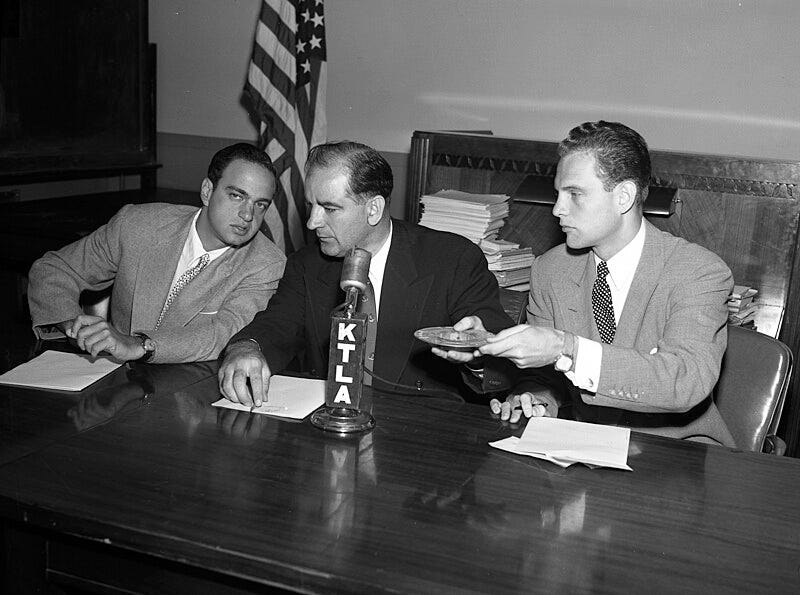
[[148, 345], [566, 359]]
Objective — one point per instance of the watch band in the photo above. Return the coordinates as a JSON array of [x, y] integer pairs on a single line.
[[148, 345]]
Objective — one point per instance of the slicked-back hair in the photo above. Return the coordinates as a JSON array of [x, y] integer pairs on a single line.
[[620, 153], [368, 173], [244, 151]]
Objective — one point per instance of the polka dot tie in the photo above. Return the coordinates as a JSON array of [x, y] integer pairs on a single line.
[[602, 305], [182, 282]]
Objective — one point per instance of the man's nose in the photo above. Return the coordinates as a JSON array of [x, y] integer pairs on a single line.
[[559, 208], [314, 219], [246, 211]]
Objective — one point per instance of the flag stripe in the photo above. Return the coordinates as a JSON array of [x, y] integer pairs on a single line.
[[285, 89]]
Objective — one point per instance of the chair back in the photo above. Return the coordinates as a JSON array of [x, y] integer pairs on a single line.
[[752, 386]]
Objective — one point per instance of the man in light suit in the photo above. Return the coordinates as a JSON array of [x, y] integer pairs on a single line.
[[184, 279], [630, 321], [420, 278]]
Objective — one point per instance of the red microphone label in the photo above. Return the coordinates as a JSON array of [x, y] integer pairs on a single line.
[[346, 361]]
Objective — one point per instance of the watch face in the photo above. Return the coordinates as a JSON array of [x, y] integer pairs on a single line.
[[563, 363]]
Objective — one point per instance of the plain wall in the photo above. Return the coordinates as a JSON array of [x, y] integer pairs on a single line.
[[715, 76]]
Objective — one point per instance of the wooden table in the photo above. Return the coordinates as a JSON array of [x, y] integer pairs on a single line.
[[170, 494]]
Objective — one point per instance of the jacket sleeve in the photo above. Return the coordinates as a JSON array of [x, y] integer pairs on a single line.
[[279, 329], [475, 293], [57, 279]]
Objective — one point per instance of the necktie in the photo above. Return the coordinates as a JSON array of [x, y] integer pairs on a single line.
[[182, 282], [602, 306], [368, 308]]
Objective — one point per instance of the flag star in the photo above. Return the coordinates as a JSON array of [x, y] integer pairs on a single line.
[[306, 16], [317, 18], [315, 41], [301, 47], [306, 66]]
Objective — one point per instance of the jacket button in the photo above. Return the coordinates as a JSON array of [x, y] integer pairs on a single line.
[[419, 384]]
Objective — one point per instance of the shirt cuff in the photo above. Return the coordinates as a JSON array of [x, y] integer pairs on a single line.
[[588, 360]]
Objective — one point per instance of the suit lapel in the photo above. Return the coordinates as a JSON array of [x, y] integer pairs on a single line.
[[403, 296], [576, 288], [644, 283], [156, 269]]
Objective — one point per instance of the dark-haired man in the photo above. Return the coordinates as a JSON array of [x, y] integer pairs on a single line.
[[184, 279], [629, 320], [420, 278]]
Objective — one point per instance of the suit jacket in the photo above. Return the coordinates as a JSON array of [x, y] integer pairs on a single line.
[[432, 278], [658, 374], [138, 251]]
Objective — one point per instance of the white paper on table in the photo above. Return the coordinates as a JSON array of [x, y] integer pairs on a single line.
[[288, 396], [565, 442], [58, 370]]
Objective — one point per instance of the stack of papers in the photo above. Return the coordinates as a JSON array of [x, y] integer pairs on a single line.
[[474, 216], [509, 262], [741, 309], [566, 442], [289, 397], [58, 370]]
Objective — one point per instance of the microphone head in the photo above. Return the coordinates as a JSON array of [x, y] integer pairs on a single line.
[[355, 270]]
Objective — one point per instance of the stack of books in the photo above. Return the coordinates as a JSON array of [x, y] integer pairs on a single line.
[[475, 216], [509, 262], [741, 308]]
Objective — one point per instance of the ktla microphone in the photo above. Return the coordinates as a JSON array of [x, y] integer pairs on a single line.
[[355, 276], [344, 387]]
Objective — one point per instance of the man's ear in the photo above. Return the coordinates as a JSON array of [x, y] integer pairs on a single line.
[[206, 188], [625, 195], [375, 208]]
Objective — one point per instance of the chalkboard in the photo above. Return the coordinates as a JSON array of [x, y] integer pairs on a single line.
[[76, 89]]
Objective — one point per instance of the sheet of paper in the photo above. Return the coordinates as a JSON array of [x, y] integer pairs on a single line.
[[58, 370], [288, 396], [565, 442]]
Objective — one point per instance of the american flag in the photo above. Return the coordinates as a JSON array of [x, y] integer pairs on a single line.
[[286, 91]]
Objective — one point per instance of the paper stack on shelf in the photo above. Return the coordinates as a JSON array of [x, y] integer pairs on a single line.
[[474, 216], [509, 262], [741, 308]]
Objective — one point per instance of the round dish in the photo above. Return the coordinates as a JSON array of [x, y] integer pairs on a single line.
[[447, 337]]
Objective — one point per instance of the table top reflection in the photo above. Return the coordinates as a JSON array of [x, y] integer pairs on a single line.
[[419, 504]]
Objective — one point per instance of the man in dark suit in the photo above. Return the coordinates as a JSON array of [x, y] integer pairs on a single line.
[[629, 321], [184, 278], [420, 278]]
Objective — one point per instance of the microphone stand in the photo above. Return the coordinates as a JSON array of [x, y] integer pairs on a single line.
[[344, 387]]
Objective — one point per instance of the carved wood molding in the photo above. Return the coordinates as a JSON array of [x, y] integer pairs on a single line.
[[725, 185]]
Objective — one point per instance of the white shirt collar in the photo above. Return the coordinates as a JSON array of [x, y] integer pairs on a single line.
[[193, 250], [622, 266], [377, 267]]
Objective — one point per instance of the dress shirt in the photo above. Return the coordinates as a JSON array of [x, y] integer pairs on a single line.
[[193, 250], [621, 270], [377, 266]]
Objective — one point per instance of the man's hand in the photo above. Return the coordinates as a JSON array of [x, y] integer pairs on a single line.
[[468, 323], [244, 361], [527, 346], [95, 334], [516, 405]]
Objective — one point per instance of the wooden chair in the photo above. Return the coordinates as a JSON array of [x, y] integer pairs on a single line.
[[752, 387]]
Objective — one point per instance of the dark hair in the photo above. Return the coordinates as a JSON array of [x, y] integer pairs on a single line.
[[620, 152], [368, 173], [243, 151]]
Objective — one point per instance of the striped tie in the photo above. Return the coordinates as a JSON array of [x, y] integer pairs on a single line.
[[602, 306], [182, 282]]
